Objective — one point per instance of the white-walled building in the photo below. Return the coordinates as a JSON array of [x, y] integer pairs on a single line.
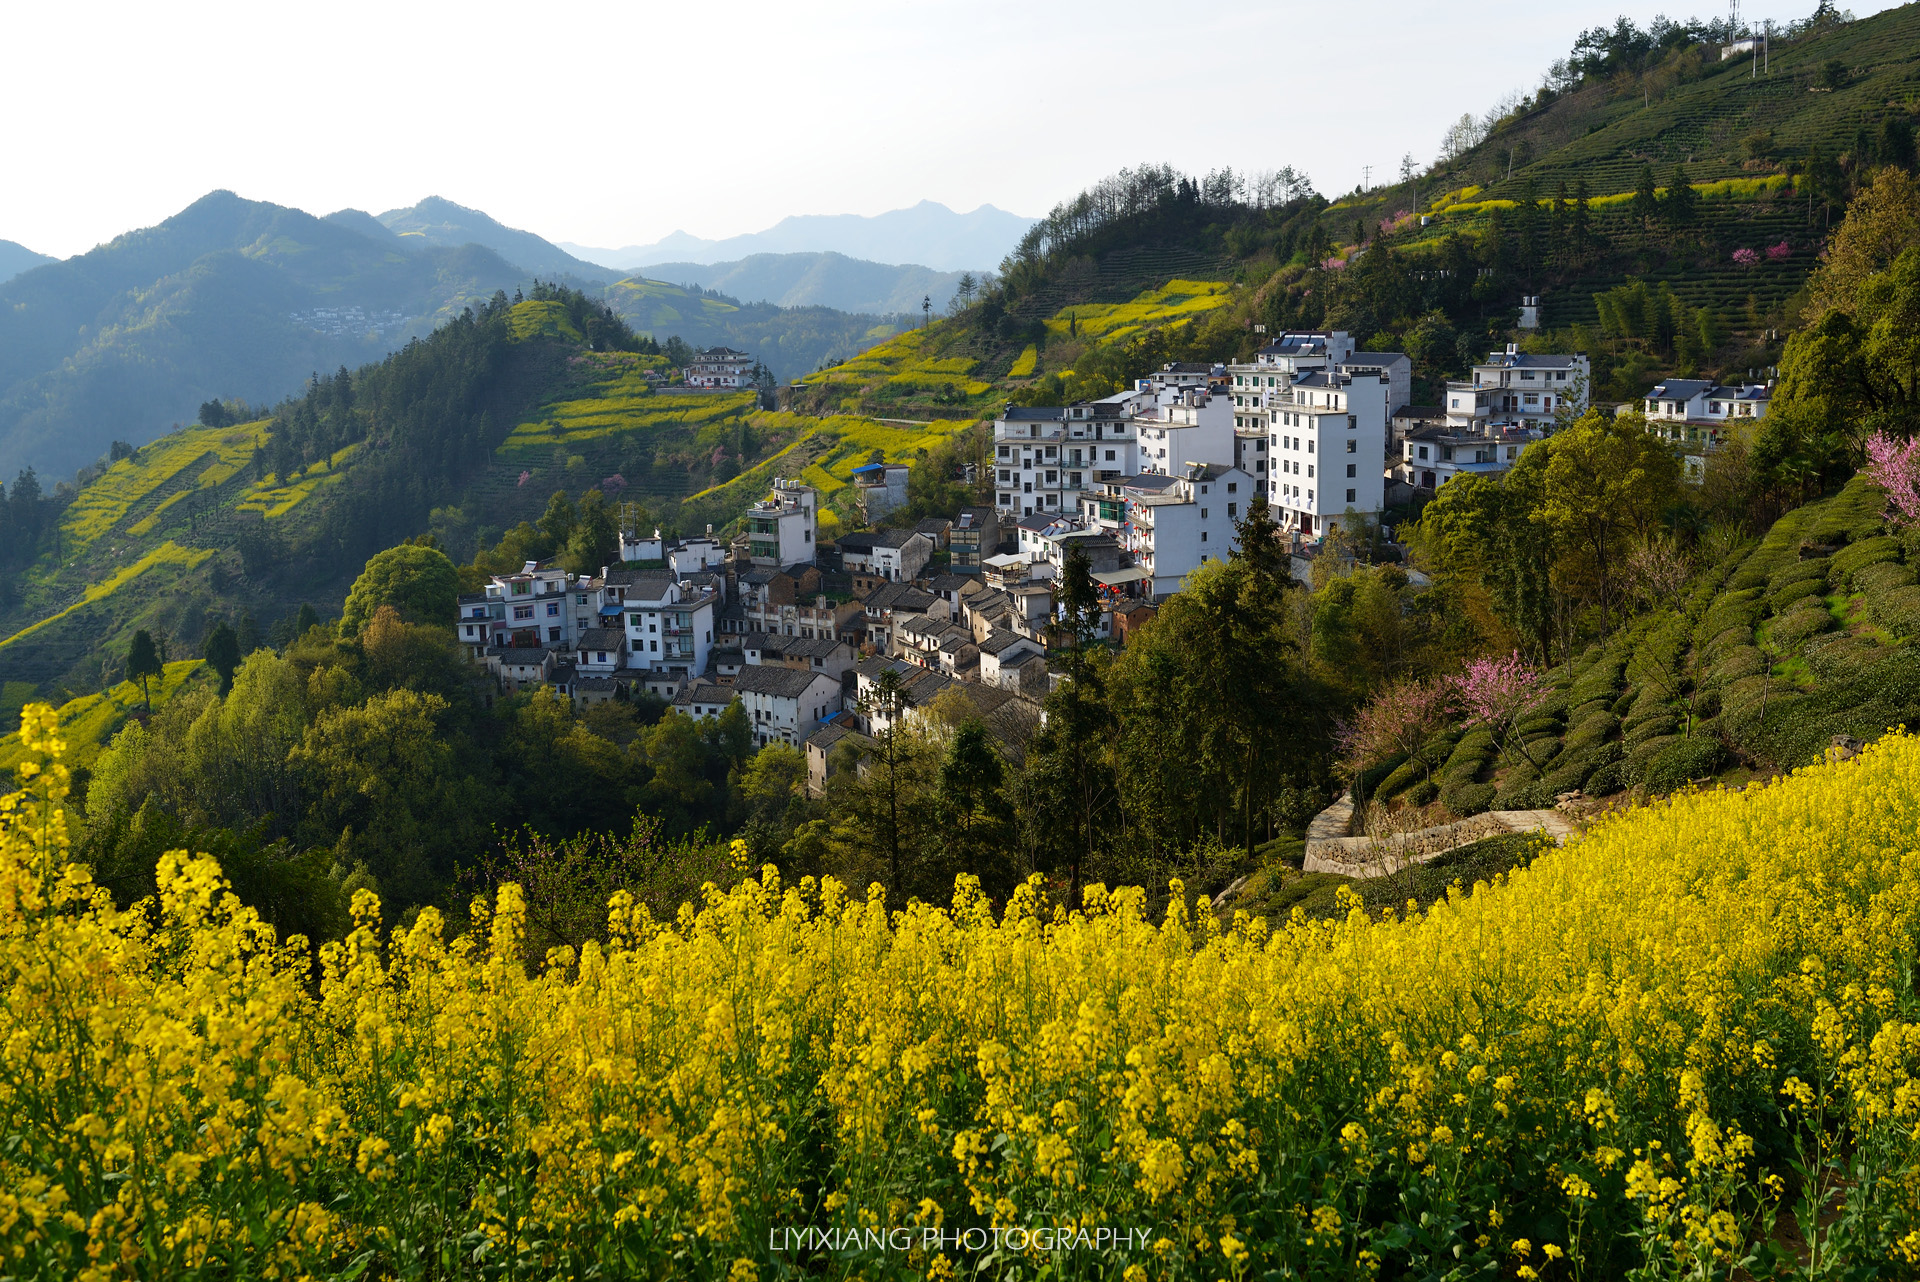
[[1174, 524], [1516, 389], [1432, 456], [1694, 415], [1185, 427], [785, 704], [880, 487], [669, 622], [780, 527], [720, 367], [1327, 434]]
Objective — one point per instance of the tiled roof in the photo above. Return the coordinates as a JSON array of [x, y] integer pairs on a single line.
[[602, 639], [781, 683], [703, 692]]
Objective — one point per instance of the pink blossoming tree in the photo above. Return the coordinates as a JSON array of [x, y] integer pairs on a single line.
[[1746, 257], [1398, 720], [1779, 253], [1496, 693], [1894, 466]]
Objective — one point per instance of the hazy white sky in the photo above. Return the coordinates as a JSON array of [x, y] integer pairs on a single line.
[[613, 124]]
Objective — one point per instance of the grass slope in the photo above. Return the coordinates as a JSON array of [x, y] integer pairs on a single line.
[[88, 723]]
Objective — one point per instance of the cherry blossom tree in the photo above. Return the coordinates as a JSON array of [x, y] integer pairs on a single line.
[[1496, 693], [1400, 719], [1894, 466], [1746, 257]]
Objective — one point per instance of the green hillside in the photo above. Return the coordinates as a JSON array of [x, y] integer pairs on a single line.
[[789, 341], [1808, 632], [462, 437]]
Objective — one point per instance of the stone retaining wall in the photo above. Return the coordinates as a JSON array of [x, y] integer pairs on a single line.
[[1330, 847]]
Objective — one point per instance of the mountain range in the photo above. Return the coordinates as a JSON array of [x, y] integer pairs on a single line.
[[927, 234], [818, 280], [16, 258]]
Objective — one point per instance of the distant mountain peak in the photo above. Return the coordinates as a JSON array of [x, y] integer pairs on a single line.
[[440, 221], [926, 234], [16, 258]]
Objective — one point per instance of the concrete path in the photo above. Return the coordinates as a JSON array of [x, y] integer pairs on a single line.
[[1329, 848]]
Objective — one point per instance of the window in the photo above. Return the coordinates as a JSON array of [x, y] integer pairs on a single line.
[[553, 634], [1203, 489], [654, 646], [1309, 496], [633, 620], [1109, 456], [1561, 377], [1203, 514], [1527, 374], [1353, 447], [1351, 471], [1349, 496], [553, 609], [1310, 447], [1232, 487], [1423, 451], [1353, 422], [1203, 533], [1309, 469], [1233, 510], [523, 612]]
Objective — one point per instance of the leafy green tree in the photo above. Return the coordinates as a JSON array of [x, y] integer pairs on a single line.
[[1681, 208], [1608, 480], [1646, 197], [222, 653], [143, 664], [972, 803], [886, 804], [558, 520], [419, 582], [1068, 793]]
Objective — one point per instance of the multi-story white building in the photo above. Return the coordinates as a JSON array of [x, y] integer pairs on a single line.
[[1184, 427], [1327, 446], [535, 606], [1431, 456], [720, 367], [1515, 389], [1174, 524], [1694, 415], [780, 527], [669, 622], [785, 704], [880, 487]]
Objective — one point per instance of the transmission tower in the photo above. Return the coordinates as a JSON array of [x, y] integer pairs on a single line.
[[1366, 177]]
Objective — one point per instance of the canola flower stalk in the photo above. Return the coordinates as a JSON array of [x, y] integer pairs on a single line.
[[1606, 1063]]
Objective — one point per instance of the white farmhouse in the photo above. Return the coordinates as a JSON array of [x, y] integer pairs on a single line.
[[720, 368]]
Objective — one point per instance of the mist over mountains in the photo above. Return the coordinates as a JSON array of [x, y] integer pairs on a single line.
[[927, 234]]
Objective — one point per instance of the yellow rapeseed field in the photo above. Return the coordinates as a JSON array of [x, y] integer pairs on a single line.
[[1626, 1062]]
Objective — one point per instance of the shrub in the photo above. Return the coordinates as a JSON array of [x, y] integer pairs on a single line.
[[1607, 780], [1812, 570], [1683, 762], [1804, 589], [1468, 798], [1651, 728], [1741, 609], [1367, 782], [1593, 730], [1882, 577], [1897, 611], [1736, 663], [1791, 630], [1640, 756], [1424, 793], [1849, 561]]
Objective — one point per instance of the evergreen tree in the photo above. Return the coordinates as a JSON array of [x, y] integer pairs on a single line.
[[143, 663], [1646, 198], [1682, 204], [222, 653]]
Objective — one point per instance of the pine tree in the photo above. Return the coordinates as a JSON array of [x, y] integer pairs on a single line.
[[1646, 199], [1682, 203], [143, 663], [222, 653]]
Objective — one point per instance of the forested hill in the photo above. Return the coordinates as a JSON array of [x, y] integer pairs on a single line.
[[463, 437], [1667, 207]]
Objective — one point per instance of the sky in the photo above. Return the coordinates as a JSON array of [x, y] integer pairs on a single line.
[[614, 124]]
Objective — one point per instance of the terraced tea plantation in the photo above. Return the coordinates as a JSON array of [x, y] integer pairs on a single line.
[[1785, 643]]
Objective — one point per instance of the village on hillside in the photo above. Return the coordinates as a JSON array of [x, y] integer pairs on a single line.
[[1148, 485]]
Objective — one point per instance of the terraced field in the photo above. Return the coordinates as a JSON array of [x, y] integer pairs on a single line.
[[89, 723], [168, 553], [622, 404], [156, 476]]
